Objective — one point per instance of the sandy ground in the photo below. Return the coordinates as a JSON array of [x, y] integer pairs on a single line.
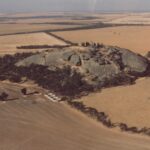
[[53, 126], [9, 43], [127, 104], [133, 38]]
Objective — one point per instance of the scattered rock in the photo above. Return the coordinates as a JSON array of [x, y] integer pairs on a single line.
[[67, 55], [101, 71], [148, 55], [75, 60], [86, 56], [97, 65], [137, 64]]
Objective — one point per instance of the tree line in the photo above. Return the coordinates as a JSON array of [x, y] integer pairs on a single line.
[[105, 120]]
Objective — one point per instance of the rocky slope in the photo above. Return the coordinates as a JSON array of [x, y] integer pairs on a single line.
[[77, 70], [99, 65]]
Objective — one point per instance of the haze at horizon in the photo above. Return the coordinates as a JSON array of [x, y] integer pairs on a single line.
[[8, 6]]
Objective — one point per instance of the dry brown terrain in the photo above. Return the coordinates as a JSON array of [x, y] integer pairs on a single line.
[[130, 18], [8, 28], [34, 22], [25, 124], [133, 38], [9, 43], [27, 22], [34, 123], [127, 104], [117, 18]]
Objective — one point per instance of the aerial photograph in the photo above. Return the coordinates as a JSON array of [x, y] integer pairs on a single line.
[[74, 75]]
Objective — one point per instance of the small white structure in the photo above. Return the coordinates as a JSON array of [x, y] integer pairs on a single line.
[[52, 97]]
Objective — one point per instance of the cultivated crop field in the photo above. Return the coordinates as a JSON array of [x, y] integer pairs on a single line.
[[135, 38], [9, 43], [29, 22], [36, 123], [128, 104]]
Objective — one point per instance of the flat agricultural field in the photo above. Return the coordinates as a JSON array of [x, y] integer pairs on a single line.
[[9, 43], [129, 18], [33, 122], [8, 28], [29, 22], [135, 38], [11, 24], [125, 104]]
